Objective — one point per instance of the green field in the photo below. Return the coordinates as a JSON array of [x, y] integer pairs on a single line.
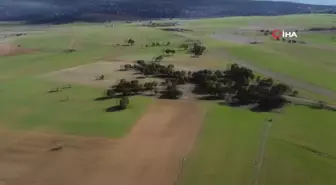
[[27, 105], [230, 141], [226, 149], [313, 65]]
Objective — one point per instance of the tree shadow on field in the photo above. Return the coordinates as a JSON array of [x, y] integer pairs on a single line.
[[237, 104], [103, 98], [114, 108], [140, 77]]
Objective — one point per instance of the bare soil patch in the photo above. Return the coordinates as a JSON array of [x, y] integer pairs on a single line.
[[12, 50], [152, 153], [88, 74], [154, 150], [26, 158]]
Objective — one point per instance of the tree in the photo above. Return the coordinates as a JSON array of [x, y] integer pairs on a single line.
[[127, 66], [184, 46], [141, 62], [131, 42], [123, 103], [294, 93], [171, 91], [170, 51], [101, 77], [170, 66], [156, 91], [198, 50], [110, 93], [149, 86], [158, 58]]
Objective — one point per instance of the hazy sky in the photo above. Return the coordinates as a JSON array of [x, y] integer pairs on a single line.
[[320, 2], [31, 3]]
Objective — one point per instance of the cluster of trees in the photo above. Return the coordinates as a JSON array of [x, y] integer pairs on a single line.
[[237, 84], [266, 32], [170, 51], [129, 88], [240, 85], [134, 87], [171, 91], [163, 71], [154, 44], [157, 24], [293, 41], [16, 34]]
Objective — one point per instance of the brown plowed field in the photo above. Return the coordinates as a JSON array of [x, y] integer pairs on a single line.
[[11, 50], [151, 154]]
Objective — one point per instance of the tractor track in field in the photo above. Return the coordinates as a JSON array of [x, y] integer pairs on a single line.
[[261, 153]]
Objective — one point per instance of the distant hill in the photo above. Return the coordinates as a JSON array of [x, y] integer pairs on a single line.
[[103, 10]]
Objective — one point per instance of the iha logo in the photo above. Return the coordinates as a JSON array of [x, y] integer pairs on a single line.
[[278, 34]]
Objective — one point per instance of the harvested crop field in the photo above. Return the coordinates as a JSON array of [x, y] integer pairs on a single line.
[[12, 50], [152, 153], [154, 150], [89, 73], [26, 158]]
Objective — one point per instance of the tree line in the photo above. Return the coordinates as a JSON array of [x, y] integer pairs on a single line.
[[235, 85]]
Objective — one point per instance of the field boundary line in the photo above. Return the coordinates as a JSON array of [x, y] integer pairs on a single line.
[[195, 144]]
